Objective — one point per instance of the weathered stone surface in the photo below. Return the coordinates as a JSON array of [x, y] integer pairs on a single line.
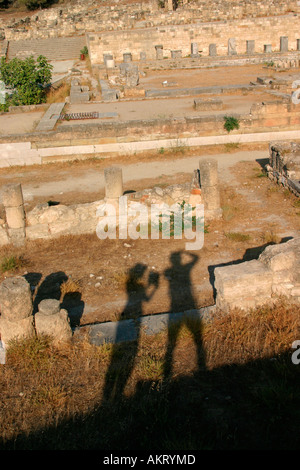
[[14, 330], [208, 104], [15, 299], [12, 195], [281, 257], [49, 307], [243, 285], [57, 326], [113, 182]]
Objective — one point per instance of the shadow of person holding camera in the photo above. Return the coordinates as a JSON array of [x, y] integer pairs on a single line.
[[138, 293]]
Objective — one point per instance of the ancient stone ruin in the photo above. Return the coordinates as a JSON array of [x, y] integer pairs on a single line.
[[284, 165], [50, 221], [17, 320]]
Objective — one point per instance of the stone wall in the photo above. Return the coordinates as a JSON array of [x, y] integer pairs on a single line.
[[94, 16], [48, 221], [284, 165], [264, 31]]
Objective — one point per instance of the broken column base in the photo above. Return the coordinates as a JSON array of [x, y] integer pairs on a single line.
[[52, 321], [16, 330]]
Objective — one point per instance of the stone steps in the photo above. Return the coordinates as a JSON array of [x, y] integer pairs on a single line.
[[53, 48]]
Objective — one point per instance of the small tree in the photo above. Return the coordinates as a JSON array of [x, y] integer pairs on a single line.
[[28, 78]]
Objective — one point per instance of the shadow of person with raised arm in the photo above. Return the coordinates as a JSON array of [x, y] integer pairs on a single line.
[[181, 296], [125, 352]]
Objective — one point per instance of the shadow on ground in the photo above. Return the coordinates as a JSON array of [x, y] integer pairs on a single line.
[[253, 405]]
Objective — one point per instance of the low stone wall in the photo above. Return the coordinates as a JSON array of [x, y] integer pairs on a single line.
[[106, 138], [258, 282], [284, 165], [49, 221]]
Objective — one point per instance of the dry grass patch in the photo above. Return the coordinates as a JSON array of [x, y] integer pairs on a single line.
[[53, 397]]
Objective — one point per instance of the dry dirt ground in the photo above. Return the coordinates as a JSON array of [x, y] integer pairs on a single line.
[[113, 280]]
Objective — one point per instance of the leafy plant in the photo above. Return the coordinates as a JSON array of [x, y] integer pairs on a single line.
[[84, 51], [231, 123], [29, 79]]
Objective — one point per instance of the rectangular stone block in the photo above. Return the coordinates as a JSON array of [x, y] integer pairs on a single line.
[[194, 49], [244, 285], [232, 47], [284, 43], [250, 46], [176, 54], [212, 50], [208, 104]]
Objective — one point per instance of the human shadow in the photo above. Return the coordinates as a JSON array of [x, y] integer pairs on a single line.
[[138, 293], [179, 277]]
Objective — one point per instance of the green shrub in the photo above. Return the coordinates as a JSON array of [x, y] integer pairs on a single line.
[[231, 123]]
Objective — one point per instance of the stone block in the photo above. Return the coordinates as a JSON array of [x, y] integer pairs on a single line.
[[212, 50], [4, 240], [176, 54], [208, 172], [57, 326], [15, 217], [232, 46], [284, 44], [281, 257], [17, 236], [194, 49], [113, 182], [49, 307], [250, 46], [15, 299], [208, 104], [35, 232], [112, 332], [15, 330], [12, 195], [159, 52], [245, 285]]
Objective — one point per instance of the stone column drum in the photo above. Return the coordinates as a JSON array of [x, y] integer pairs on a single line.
[[113, 182], [52, 321], [16, 320], [12, 198], [209, 188]]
